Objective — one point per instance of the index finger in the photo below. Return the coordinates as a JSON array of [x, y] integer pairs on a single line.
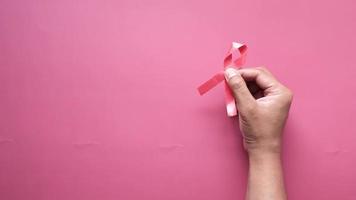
[[263, 78]]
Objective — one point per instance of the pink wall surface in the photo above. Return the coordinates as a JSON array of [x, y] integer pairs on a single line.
[[98, 98]]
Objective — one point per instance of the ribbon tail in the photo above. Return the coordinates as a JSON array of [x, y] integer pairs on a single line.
[[234, 58], [211, 83], [230, 101]]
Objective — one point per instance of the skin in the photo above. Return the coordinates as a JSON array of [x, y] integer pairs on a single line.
[[263, 104]]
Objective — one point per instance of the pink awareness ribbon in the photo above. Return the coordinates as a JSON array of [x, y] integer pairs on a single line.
[[235, 58]]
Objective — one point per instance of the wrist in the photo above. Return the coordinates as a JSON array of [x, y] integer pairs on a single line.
[[272, 146], [257, 154], [263, 157]]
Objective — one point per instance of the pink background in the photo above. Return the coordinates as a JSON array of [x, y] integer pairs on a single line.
[[98, 98]]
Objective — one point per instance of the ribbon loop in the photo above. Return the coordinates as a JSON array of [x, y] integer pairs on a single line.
[[231, 60]]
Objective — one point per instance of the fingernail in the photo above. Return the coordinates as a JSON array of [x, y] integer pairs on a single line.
[[230, 72]]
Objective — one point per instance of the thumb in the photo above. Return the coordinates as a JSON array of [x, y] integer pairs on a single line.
[[244, 99]]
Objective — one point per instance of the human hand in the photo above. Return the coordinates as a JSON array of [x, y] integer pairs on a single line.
[[263, 105]]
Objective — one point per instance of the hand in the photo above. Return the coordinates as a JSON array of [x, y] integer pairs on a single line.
[[263, 105]]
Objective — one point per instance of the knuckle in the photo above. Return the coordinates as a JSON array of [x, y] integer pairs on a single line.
[[262, 71], [257, 71], [259, 68], [262, 68]]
